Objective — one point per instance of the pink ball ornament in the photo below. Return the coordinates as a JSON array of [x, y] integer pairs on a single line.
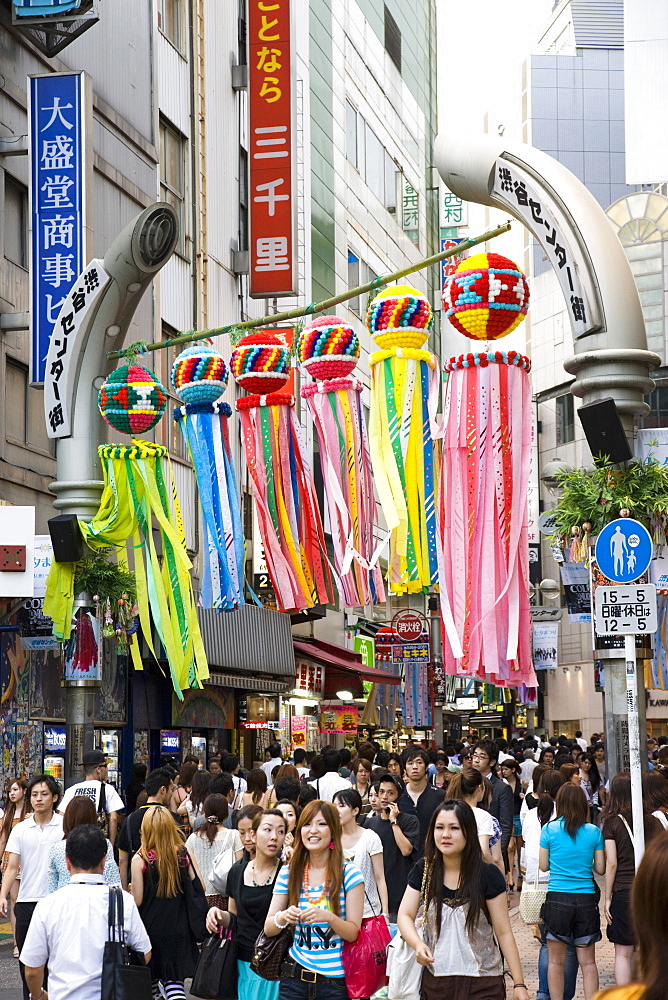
[[329, 348]]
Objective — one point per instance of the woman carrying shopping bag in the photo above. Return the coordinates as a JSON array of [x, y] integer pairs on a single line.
[[322, 897], [250, 885], [465, 914]]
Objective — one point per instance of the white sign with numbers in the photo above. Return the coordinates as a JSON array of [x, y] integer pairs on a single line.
[[625, 610]]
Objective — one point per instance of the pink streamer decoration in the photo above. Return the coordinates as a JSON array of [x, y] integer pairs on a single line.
[[482, 521]]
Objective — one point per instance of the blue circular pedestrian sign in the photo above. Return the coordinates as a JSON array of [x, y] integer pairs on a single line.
[[624, 550]]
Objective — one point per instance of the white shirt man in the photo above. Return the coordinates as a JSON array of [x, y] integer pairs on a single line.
[[527, 767], [331, 781], [69, 928], [275, 761], [95, 766]]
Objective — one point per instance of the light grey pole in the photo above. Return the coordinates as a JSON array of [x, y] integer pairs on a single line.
[[133, 259], [611, 356]]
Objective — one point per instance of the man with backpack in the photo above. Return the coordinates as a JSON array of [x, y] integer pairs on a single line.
[[106, 799]]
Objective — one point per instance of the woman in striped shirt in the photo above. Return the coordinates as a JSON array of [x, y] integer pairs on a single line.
[[322, 896]]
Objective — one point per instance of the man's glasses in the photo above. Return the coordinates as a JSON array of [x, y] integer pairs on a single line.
[[480, 756]]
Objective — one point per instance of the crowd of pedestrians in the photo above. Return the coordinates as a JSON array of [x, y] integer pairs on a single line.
[[328, 848]]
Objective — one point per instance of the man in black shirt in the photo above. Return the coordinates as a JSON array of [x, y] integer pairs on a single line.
[[159, 787], [424, 798], [399, 831], [485, 756]]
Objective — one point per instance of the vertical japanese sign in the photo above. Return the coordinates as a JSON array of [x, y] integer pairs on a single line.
[[450, 264], [410, 212], [452, 211], [58, 111], [273, 240]]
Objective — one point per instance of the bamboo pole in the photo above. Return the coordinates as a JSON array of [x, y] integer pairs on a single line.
[[315, 307]]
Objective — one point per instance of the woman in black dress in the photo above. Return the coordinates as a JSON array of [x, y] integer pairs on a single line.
[[161, 870], [250, 885]]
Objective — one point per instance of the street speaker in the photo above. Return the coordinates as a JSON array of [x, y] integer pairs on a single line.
[[604, 432], [66, 538]]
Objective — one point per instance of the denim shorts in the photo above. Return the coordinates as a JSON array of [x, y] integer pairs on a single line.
[[572, 917], [517, 826]]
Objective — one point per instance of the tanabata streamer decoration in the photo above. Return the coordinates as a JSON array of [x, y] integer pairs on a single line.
[[487, 297], [139, 496], [329, 349], [282, 484], [199, 377], [132, 399], [483, 545], [404, 398]]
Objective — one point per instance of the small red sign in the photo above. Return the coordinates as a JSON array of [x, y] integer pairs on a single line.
[[408, 625]]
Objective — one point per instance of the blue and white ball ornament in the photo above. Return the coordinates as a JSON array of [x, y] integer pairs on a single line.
[[200, 374]]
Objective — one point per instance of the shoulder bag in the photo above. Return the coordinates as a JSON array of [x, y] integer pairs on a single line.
[[269, 953], [195, 899], [125, 976], [222, 865], [102, 814], [216, 976], [365, 960], [532, 897], [403, 970]]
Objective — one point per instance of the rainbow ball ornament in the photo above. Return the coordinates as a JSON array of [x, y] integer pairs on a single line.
[[329, 348], [132, 399], [486, 297], [200, 374], [260, 363], [399, 316]]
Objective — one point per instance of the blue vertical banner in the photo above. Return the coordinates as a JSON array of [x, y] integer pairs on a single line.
[[57, 202]]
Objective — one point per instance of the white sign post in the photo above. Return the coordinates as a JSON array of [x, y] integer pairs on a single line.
[[629, 610]]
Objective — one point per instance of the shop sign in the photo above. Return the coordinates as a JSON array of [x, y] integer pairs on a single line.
[[42, 563], [309, 680], [409, 625], [467, 704], [59, 116], [413, 652], [54, 739], [575, 578], [170, 740], [298, 728], [272, 209], [338, 719], [410, 212], [450, 264], [657, 705], [452, 211], [366, 647], [35, 628]]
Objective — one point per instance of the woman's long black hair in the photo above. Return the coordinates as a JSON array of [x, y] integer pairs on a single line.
[[594, 775], [469, 889]]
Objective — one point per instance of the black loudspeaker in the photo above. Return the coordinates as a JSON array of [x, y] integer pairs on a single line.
[[604, 432], [66, 538]]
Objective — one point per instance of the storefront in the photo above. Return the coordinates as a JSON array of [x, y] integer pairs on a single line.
[[657, 713]]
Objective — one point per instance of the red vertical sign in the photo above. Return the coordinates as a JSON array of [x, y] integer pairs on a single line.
[[272, 189]]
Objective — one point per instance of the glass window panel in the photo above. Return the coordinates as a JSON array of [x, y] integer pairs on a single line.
[[15, 222], [16, 386], [390, 184], [354, 280], [351, 133], [375, 165]]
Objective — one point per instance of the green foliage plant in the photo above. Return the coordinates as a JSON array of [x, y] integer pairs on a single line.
[[96, 575]]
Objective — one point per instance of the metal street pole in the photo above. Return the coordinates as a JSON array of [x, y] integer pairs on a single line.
[[129, 266], [634, 748]]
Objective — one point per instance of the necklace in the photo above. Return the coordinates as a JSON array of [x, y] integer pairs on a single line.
[[267, 881], [307, 888]]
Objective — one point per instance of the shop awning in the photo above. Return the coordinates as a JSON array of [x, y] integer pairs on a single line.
[[245, 683], [248, 641], [338, 659]]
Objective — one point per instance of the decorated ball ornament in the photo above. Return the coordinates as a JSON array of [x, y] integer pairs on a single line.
[[328, 348], [132, 400], [486, 297], [200, 374], [260, 363], [399, 316]]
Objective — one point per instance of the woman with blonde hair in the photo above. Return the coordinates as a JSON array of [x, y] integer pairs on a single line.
[[322, 897], [17, 808], [160, 871]]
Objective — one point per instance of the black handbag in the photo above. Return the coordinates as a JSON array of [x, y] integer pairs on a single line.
[[216, 976], [196, 904], [125, 976], [269, 953]]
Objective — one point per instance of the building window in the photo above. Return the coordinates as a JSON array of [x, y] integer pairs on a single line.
[[351, 134], [173, 173], [565, 419], [16, 392], [243, 200], [16, 222], [658, 407], [392, 39], [354, 280], [170, 21], [375, 164], [391, 172]]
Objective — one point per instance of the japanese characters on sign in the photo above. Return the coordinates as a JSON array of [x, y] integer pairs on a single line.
[[273, 270], [449, 265], [57, 201], [65, 346], [309, 679], [338, 719], [451, 209], [546, 221], [626, 610], [410, 212]]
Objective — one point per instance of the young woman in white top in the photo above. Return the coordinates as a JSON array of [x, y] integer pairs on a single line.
[[211, 840], [364, 848], [469, 787]]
